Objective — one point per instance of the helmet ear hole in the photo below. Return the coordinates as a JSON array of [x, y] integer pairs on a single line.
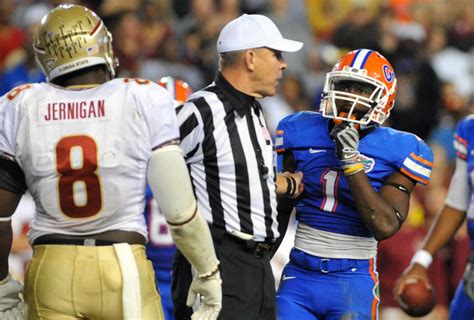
[[71, 38]]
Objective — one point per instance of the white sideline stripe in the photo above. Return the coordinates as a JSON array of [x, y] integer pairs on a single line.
[[131, 297]]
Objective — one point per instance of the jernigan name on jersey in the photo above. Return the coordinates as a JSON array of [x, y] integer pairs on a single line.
[[85, 152]]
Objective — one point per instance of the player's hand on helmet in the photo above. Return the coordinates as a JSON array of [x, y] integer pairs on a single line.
[[210, 291], [11, 302], [346, 138]]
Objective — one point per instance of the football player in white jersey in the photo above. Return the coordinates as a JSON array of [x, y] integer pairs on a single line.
[[84, 145]]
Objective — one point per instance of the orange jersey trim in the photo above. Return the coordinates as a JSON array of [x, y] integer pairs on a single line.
[[375, 301], [464, 142], [411, 175], [422, 160]]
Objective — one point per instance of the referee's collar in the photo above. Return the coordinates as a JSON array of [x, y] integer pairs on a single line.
[[239, 100]]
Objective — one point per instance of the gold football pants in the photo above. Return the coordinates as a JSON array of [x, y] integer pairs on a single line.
[[85, 282]]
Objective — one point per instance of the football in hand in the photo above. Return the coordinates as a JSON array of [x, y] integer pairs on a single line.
[[416, 299]]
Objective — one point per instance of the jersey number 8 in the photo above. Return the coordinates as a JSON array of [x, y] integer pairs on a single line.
[[80, 194]]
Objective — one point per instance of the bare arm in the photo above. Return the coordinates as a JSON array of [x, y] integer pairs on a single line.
[[443, 229], [382, 212], [445, 226], [8, 203]]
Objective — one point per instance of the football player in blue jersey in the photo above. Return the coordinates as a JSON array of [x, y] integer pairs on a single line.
[[358, 176], [458, 205], [160, 248]]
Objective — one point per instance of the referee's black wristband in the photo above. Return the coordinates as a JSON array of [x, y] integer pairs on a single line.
[[288, 186], [291, 188]]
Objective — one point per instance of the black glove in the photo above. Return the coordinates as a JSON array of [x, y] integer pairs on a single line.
[[346, 138]]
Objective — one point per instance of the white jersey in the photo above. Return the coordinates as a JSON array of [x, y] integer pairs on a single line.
[[85, 152]]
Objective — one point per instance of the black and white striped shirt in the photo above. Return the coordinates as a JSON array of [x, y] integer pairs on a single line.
[[229, 153]]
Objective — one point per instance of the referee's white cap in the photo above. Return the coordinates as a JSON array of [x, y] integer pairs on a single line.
[[254, 31]]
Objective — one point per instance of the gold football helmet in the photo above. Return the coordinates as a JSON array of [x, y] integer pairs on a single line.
[[70, 38]]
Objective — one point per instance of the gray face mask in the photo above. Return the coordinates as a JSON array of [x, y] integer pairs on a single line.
[[468, 278]]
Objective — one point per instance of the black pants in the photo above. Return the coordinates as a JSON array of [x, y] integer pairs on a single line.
[[248, 285]]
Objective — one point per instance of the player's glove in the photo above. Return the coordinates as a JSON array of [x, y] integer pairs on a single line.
[[346, 138], [210, 290], [11, 303]]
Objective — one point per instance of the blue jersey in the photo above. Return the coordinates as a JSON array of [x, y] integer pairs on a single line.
[[462, 307], [464, 145], [160, 248], [327, 203]]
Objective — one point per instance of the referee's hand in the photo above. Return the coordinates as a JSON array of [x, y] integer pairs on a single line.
[[290, 184], [210, 291], [298, 176]]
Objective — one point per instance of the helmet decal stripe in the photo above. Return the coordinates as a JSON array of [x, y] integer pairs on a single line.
[[365, 59], [360, 58], [355, 57], [96, 28]]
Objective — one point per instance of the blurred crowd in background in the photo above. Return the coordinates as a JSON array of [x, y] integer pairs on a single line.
[[430, 44]]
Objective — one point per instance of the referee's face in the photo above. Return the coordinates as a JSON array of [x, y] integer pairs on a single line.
[[269, 66]]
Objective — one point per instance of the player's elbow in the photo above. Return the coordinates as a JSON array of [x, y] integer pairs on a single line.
[[385, 231]]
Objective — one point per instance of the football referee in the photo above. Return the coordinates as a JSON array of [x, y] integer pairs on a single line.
[[229, 152]]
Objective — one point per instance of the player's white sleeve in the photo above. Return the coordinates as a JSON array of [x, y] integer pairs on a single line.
[[458, 193], [9, 123], [171, 185]]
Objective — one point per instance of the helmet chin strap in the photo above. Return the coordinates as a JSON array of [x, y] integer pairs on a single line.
[[370, 125]]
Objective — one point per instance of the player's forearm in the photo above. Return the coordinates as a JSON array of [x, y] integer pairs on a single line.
[[8, 203], [6, 236], [376, 213], [443, 229]]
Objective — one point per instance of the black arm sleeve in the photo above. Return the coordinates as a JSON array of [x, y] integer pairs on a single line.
[[12, 177]]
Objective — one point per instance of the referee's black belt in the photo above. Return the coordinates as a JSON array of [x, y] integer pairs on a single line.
[[256, 248]]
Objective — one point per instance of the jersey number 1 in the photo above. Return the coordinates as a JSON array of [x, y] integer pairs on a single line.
[[329, 181], [80, 193]]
